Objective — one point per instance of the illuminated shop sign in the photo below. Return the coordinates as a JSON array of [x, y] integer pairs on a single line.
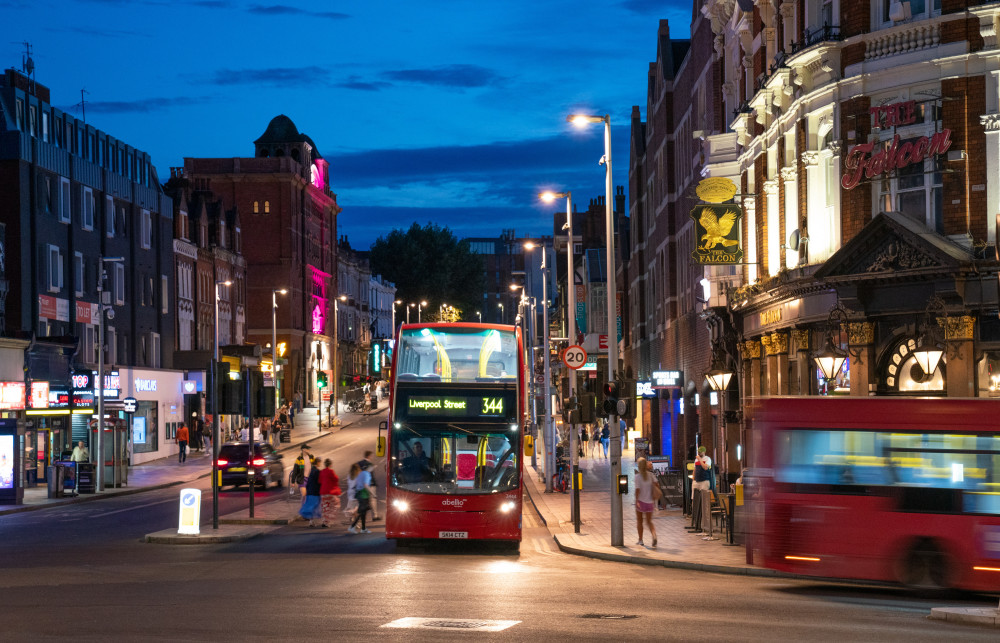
[[644, 389], [39, 395], [145, 386], [874, 158], [12, 396], [717, 234], [58, 398], [663, 379], [7, 461]]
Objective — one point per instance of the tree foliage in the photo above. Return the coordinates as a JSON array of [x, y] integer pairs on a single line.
[[430, 264]]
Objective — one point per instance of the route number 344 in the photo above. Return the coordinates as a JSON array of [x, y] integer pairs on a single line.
[[574, 356]]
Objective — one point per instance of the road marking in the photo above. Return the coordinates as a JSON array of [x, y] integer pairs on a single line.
[[451, 624]]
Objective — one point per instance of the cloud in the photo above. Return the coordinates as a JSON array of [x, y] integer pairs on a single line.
[[643, 7], [462, 76], [280, 76], [141, 106], [356, 82], [539, 157], [286, 10], [364, 224]]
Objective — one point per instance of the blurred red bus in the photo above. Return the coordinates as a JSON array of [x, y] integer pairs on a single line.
[[884, 489], [454, 433]]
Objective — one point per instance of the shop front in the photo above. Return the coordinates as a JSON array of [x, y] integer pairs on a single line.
[[159, 411]]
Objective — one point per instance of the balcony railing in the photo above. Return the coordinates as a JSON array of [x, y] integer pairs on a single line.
[[810, 37]]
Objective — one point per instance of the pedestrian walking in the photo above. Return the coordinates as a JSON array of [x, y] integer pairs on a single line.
[[366, 464], [182, 443], [310, 506], [205, 430], [605, 439], [329, 493], [351, 506], [595, 440], [300, 469], [298, 401], [584, 438], [362, 493], [646, 488]]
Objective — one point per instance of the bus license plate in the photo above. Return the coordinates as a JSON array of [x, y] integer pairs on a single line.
[[453, 534]]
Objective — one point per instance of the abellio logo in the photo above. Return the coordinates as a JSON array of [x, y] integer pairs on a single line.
[[453, 502]]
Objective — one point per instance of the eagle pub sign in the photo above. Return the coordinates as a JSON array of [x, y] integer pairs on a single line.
[[717, 223]]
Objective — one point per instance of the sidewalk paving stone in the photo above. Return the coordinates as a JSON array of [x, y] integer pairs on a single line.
[[168, 472]]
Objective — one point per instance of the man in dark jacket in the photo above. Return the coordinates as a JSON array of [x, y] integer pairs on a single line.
[[366, 464]]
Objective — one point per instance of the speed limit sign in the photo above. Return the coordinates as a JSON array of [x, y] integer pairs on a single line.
[[574, 356]]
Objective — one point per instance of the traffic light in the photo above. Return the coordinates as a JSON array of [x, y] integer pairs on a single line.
[[321, 379], [220, 375], [588, 408], [264, 408], [628, 391], [611, 391]]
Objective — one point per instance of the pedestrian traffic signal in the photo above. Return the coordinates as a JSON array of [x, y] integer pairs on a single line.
[[320, 380], [588, 408], [611, 391], [628, 390]]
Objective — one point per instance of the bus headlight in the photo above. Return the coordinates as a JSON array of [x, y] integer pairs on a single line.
[[402, 505], [508, 506]]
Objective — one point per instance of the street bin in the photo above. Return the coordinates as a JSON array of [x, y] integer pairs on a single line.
[[285, 435], [86, 474], [55, 476]]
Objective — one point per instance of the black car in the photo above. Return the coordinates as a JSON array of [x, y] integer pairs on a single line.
[[233, 466]]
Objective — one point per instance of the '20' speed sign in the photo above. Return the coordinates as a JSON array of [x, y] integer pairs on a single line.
[[574, 356]]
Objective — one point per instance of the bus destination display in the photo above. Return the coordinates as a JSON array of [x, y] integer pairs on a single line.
[[468, 406]]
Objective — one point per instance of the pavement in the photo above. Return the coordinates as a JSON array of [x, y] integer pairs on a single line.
[[677, 546], [167, 472]]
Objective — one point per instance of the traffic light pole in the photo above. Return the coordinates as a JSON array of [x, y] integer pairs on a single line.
[[571, 372], [248, 407]]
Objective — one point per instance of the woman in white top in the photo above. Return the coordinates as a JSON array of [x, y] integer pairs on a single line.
[[644, 501], [352, 503]]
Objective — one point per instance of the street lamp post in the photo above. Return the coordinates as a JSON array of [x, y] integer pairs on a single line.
[[99, 439], [548, 197], [500, 306], [394, 304], [617, 535], [548, 429], [215, 409], [335, 412], [420, 307], [274, 341]]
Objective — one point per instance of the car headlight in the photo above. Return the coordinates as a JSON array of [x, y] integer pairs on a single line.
[[508, 506], [402, 505]]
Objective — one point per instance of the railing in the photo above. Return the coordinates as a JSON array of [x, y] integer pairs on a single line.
[[825, 33], [901, 40]]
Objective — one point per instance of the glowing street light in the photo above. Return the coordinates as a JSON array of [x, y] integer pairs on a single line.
[[582, 120]]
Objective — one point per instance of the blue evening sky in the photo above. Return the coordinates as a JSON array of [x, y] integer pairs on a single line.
[[443, 111]]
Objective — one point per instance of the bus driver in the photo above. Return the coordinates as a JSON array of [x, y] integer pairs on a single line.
[[417, 466]]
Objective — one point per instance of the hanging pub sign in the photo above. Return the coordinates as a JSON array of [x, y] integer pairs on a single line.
[[874, 158], [717, 234]]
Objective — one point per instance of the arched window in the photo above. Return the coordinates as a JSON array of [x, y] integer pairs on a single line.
[[267, 207], [256, 207], [264, 153], [295, 154]]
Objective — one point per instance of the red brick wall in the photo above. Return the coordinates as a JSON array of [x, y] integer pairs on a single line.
[[963, 30], [800, 148], [760, 172], [782, 232], [855, 18], [855, 204], [965, 209]]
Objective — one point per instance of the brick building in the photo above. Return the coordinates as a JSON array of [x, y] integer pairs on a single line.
[[288, 218], [665, 292], [864, 141]]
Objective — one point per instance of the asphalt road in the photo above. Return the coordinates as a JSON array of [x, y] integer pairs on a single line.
[[83, 572]]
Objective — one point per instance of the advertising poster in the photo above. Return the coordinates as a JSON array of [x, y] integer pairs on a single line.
[[139, 430], [6, 461]]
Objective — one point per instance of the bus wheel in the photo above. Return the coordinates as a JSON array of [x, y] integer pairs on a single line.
[[925, 566]]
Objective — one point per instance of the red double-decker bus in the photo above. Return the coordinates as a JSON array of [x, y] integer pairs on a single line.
[[454, 433], [885, 489]]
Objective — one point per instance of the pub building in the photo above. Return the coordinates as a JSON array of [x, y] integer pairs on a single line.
[[864, 145]]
